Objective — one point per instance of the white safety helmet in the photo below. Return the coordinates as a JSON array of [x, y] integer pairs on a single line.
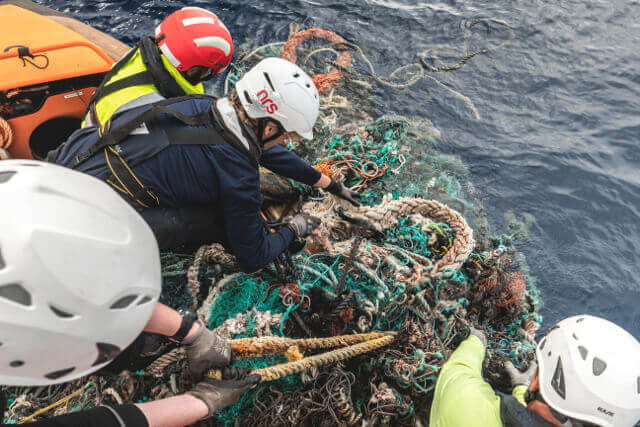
[[280, 90], [590, 371], [79, 274]]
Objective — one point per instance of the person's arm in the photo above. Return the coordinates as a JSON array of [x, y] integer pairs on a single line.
[[468, 357], [462, 396], [103, 416], [166, 321], [241, 201], [205, 349], [181, 410], [287, 163]]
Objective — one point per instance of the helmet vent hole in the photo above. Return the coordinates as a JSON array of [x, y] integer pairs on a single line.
[[266, 76], [308, 85], [247, 97], [106, 353], [296, 75], [599, 366], [557, 382], [61, 313], [574, 337], [58, 374], [583, 352], [15, 293], [16, 363], [144, 300], [579, 320], [6, 176], [123, 302]]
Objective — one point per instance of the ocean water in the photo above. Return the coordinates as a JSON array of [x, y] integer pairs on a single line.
[[557, 141]]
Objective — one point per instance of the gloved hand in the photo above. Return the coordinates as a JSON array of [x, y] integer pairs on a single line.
[[205, 350], [343, 192], [217, 394], [303, 224], [520, 378], [479, 334]]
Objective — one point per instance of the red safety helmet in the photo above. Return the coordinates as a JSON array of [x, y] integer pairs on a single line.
[[194, 36]]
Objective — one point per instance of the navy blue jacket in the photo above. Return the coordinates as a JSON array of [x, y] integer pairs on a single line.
[[216, 176]]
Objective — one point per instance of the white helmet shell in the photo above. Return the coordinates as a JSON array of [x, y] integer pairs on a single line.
[[279, 89], [590, 370], [79, 274]]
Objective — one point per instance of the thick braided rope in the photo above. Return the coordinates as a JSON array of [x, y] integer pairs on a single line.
[[6, 134], [252, 347], [272, 373], [248, 347], [192, 277], [157, 368], [386, 214], [216, 254]]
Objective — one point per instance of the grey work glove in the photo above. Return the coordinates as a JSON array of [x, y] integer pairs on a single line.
[[520, 378], [340, 190], [303, 224], [205, 350], [479, 334], [217, 394]]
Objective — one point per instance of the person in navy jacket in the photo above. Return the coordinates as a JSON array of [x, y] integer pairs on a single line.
[[190, 164]]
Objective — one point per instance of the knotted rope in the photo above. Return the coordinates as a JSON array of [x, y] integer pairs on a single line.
[[352, 345]]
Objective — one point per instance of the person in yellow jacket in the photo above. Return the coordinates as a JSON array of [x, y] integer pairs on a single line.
[[588, 375], [190, 46]]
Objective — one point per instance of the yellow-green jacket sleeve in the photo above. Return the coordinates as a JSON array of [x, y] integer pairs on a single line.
[[462, 397]]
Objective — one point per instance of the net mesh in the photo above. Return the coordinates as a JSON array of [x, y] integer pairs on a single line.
[[382, 281]]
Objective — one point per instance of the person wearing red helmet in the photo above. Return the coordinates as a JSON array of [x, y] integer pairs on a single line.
[[190, 46]]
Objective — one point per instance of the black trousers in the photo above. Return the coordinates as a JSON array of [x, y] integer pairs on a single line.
[[186, 226]]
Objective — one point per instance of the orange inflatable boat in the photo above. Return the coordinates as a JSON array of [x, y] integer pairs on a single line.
[[50, 65]]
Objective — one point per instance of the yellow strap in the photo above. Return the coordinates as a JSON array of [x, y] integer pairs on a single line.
[[123, 188], [58, 403]]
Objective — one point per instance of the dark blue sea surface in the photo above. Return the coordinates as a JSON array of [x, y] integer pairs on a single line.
[[560, 125]]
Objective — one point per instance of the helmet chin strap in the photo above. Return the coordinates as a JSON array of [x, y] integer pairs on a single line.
[[262, 124]]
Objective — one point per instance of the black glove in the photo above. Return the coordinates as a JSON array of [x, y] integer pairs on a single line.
[[217, 394], [303, 224], [343, 192], [205, 349]]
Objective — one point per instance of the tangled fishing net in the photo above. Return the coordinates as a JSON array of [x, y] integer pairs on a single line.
[[407, 261]]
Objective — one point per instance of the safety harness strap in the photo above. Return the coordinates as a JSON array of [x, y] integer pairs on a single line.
[[110, 137], [125, 181], [162, 79], [138, 79], [155, 74], [97, 95]]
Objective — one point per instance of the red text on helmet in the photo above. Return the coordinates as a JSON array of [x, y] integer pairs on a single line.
[[270, 106]]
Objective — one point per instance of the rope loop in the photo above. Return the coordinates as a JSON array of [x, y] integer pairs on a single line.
[[324, 81], [6, 134]]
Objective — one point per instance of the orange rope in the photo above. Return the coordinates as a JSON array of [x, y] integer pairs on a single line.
[[324, 167], [6, 134], [326, 81]]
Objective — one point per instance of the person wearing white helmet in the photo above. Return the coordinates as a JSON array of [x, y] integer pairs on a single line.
[[190, 165], [79, 281], [587, 374]]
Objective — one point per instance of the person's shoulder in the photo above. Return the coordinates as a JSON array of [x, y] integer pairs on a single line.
[[194, 103]]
